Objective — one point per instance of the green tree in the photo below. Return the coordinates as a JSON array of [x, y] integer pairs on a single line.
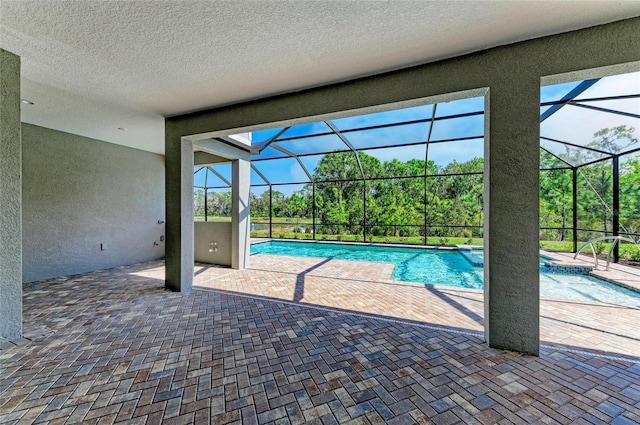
[[279, 204], [340, 187], [198, 203], [556, 200], [395, 194], [296, 206], [219, 204], [259, 204], [596, 200], [595, 183], [630, 195]]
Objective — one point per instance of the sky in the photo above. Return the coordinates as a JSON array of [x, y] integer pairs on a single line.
[[571, 124]]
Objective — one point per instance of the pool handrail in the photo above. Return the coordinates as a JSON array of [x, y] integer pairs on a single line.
[[615, 239]]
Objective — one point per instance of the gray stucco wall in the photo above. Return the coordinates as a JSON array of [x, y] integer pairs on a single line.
[[79, 193], [10, 186], [212, 231], [509, 77]]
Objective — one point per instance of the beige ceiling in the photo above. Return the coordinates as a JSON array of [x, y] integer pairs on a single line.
[[94, 66]]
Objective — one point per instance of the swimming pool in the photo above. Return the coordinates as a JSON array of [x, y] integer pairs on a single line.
[[476, 257], [449, 267]]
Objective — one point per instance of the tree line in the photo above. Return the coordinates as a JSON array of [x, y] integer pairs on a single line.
[[595, 186], [398, 198], [394, 200]]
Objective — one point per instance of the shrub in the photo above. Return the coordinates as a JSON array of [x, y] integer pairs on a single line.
[[599, 247], [634, 253], [377, 231]]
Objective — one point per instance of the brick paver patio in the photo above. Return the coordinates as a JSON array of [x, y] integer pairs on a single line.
[[366, 288], [115, 347]]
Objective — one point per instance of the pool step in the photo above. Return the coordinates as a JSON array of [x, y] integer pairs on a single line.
[[559, 268], [549, 266], [468, 254]]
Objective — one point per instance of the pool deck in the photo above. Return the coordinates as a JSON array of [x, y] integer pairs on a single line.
[[625, 276], [366, 288], [301, 340]]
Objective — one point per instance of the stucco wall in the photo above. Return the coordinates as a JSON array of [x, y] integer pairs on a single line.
[[10, 217], [212, 231], [79, 193], [509, 77]]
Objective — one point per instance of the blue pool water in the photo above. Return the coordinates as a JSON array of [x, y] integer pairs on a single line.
[[444, 266], [449, 267], [477, 256]]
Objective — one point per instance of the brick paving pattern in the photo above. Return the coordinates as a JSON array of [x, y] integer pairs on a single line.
[[366, 288], [115, 347]]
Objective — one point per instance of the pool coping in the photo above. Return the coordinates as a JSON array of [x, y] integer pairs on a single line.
[[386, 245]]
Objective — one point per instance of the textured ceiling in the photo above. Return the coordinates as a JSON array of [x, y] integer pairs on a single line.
[[94, 66]]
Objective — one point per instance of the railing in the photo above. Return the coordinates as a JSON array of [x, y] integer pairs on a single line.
[[590, 243]]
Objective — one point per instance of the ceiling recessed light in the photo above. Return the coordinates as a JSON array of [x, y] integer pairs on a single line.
[[122, 129], [27, 102]]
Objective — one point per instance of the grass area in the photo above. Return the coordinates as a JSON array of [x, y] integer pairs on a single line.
[[627, 251], [211, 218], [566, 246], [286, 233]]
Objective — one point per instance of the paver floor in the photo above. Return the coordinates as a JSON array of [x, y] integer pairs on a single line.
[[365, 288], [114, 347]]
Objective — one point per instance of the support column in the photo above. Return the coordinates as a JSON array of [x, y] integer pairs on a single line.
[[206, 209], [240, 220], [179, 211], [313, 210], [10, 199], [615, 224], [511, 270], [574, 200], [270, 212]]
